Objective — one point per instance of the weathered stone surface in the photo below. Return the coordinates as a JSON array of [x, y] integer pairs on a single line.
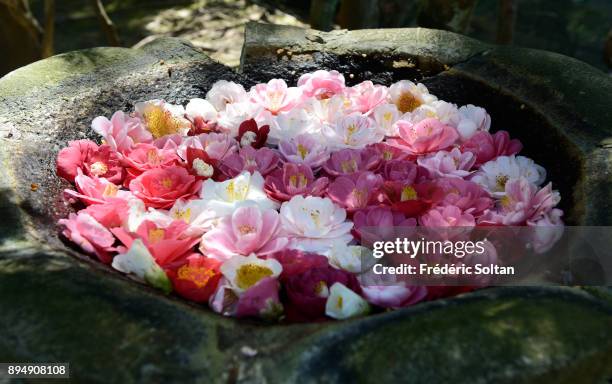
[[57, 305]]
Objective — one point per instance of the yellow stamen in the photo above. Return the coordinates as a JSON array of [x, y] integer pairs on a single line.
[[161, 122], [246, 229], [321, 289], [249, 274], [407, 102], [198, 276], [156, 235], [408, 193], [302, 150], [98, 168], [167, 183], [340, 302], [500, 181], [110, 190], [182, 215], [349, 166]]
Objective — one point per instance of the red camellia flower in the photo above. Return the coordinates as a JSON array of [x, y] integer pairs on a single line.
[[161, 187], [92, 159], [201, 165], [144, 156], [411, 200], [250, 134], [308, 291], [295, 262], [195, 278]]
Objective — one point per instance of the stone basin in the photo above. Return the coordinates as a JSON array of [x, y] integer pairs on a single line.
[[57, 305]]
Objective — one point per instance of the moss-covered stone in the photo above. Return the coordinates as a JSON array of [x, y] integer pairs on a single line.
[[58, 305]]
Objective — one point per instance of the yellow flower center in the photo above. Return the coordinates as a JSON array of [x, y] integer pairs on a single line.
[[298, 181], [302, 150], [408, 193], [184, 215], [321, 289], [407, 102], [500, 181], [249, 274], [349, 166], [161, 122], [156, 235], [388, 116], [340, 302], [167, 183], [110, 190], [506, 201], [246, 229], [198, 276], [387, 155], [153, 157], [98, 168]]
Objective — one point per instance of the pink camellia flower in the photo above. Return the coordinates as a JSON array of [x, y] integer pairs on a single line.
[[447, 216], [247, 230], [466, 195], [428, 135], [161, 187], [379, 223], [96, 161], [523, 202], [112, 213], [473, 119], [367, 96], [386, 292], [94, 190], [389, 152], [251, 135], [167, 244], [356, 191], [486, 147], [263, 160], [321, 84], [121, 132], [294, 179], [169, 142], [217, 145], [448, 164], [143, 157], [261, 300], [275, 96], [83, 230], [352, 131], [348, 161], [547, 230], [304, 149], [308, 292], [400, 170], [411, 200], [296, 262]]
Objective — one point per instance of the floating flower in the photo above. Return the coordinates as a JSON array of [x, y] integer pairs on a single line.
[[248, 230], [466, 195], [225, 92], [386, 292], [289, 125], [261, 300], [446, 113], [94, 190], [385, 116], [472, 120], [121, 132], [304, 149], [263, 160], [83, 230], [366, 96], [378, 223], [487, 147], [222, 198], [400, 170], [446, 216], [494, 174], [161, 187], [296, 262], [91, 159], [139, 262], [216, 145], [202, 115], [143, 157], [343, 303], [411, 200], [408, 96], [251, 135], [292, 180], [195, 213], [356, 191], [234, 114], [448, 164], [275, 96], [349, 161], [429, 135], [352, 131], [314, 223], [196, 277], [161, 118], [321, 84], [348, 257], [243, 272]]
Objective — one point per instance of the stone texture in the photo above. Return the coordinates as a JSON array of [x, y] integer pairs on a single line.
[[58, 305]]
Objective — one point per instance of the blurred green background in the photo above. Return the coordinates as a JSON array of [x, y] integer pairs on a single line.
[[31, 29]]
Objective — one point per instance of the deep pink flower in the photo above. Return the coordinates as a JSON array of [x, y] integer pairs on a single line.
[[167, 244], [251, 135], [389, 152], [486, 147], [121, 132], [112, 213], [411, 200], [91, 236], [348, 161], [261, 300], [296, 262], [378, 223], [400, 170], [96, 161], [356, 191], [429, 135], [304, 149], [393, 296], [466, 195], [308, 291], [321, 84], [143, 157], [275, 96], [263, 160], [161, 187], [294, 179], [94, 190], [367, 96], [247, 230], [446, 216]]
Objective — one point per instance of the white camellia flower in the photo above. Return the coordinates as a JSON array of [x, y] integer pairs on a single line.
[[222, 197], [201, 108], [343, 303], [472, 120], [195, 213], [447, 113], [289, 125], [139, 262], [234, 114], [162, 118], [329, 110], [352, 131], [137, 213], [493, 175], [348, 257], [385, 116], [243, 272], [225, 92], [408, 96], [314, 223]]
